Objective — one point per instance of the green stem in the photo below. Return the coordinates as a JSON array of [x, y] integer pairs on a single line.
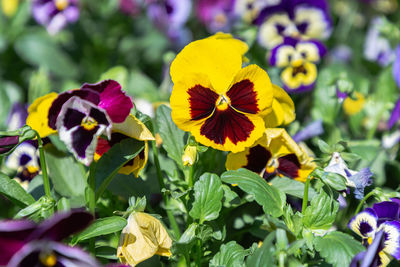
[[281, 259], [46, 182], [91, 189], [363, 200], [199, 253], [305, 196], [191, 171], [171, 218]]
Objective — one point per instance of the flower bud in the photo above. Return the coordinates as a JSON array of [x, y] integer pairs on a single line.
[[189, 156]]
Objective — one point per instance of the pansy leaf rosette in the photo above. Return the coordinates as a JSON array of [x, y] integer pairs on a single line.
[[298, 60], [383, 216], [214, 98], [81, 116]]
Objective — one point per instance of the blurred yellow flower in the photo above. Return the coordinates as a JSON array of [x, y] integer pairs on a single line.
[[353, 106], [143, 237], [38, 114], [9, 7]]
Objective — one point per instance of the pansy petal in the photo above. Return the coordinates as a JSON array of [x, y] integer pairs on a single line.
[[365, 223], [387, 210], [281, 55], [112, 99], [361, 179], [137, 164], [311, 51], [315, 128], [209, 56], [317, 22], [251, 91], [395, 115], [391, 231], [38, 115], [354, 106], [283, 111], [134, 128]]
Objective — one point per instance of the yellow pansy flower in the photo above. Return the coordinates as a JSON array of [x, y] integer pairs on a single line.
[[143, 237], [9, 7], [274, 154], [354, 106]]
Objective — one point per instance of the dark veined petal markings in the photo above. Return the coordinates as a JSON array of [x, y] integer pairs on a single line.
[[257, 158], [202, 102], [243, 97]]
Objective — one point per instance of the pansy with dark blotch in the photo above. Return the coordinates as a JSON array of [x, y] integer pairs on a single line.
[[217, 15], [383, 216], [80, 116], [24, 243], [275, 154], [298, 58], [55, 14], [305, 19]]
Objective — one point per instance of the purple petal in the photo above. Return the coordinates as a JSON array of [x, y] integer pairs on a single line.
[[8, 249], [71, 13], [370, 257], [62, 225], [112, 99], [17, 116], [320, 46], [361, 179], [7, 143], [57, 23], [340, 94], [364, 223], [395, 116], [300, 89], [274, 53], [386, 210], [396, 67], [313, 129]]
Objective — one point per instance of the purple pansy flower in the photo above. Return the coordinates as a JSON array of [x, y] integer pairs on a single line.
[[129, 7], [7, 143], [17, 116], [313, 129], [396, 67], [395, 115], [298, 58], [305, 19], [217, 15], [23, 243], [55, 14], [248, 10], [80, 116], [383, 216], [170, 16]]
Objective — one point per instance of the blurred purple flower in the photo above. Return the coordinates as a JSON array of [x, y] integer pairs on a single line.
[[130, 7], [24, 160], [395, 116], [217, 15], [248, 10], [23, 243], [17, 116], [313, 129], [170, 16], [305, 19], [55, 14], [376, 47], [396, 67]]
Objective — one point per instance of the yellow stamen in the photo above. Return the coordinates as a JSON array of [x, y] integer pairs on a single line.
[[88, 123], [48, 259], [270, 169], [32, 169], [222, 102], [370, 240], [272, 165], [61, 4]]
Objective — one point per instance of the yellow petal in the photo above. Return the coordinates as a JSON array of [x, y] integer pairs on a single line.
[[283, 111], [134, 128], [143, 237], [138, 163], [9, 7], [189, 156], [38, 114], [218, 58], [353, 106], [240, 46]]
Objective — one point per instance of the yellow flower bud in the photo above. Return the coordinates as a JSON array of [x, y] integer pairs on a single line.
[[189, 156], [353, 106], [9, 7]]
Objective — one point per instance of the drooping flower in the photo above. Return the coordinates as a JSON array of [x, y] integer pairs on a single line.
[[17, 116], [275, 154], [55, 14], [218, 101], [130, 128], [304, 19], [358, 180], [217, 15], [143, 237], [382, 217], [189, 155], [24, 243], [298, 58]]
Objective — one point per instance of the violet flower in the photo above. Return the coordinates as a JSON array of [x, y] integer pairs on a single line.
[[298, 58], [81, 116], [305, 19], [23, 243], [7, 143], [217, 15], [396, 67], [129, 7], [55, 14], [17, 116], [311, 130]]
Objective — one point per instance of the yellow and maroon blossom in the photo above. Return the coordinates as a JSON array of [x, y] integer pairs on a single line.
[[298, 58], [38, 115], [275, 154], [130, 128], [218, 101]]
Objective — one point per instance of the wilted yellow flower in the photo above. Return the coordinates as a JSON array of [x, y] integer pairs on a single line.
[[38, 114], [189, 156], [141, 238]]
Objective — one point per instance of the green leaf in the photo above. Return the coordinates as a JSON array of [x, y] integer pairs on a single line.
[[67, 176], [334, 180], [106, 252], [111, 161], [264, 255], [37, 48], [14, 191], [230, 255], [337, 248], [172, 136], [292, 187], [321, 214], [103, 226], [187, 240], [324, 147], [208, 196], [269, 197]]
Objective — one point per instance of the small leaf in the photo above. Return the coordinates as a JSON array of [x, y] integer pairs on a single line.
[[230, 255], [103, 226], [208, 196], [337, 248], [14, 191], [187, 240], [324, 147], [264, 255], [269, 197], [292, 187], [172, 136], [334, 180], [106, 252]]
